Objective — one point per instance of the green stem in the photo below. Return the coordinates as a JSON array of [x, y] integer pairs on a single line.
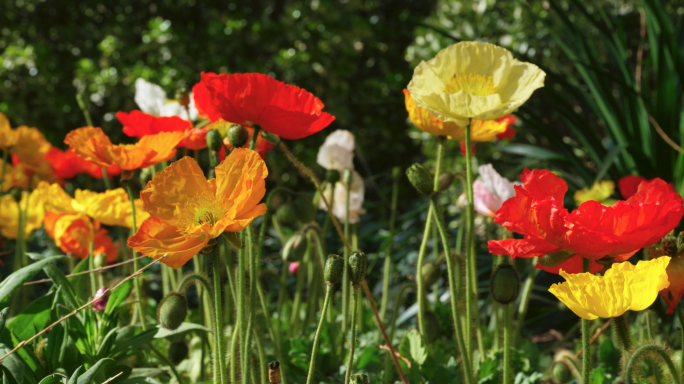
[[252, 299], [345, 276], [234, 355], [136, 280], [326, 221], [241, 306], [453, 286], [525, 298], [586, 339], [218, 317], [263, 374], [680, 314], [387, 268], [166, 361], [314, 351], [393, 326], [352, 340], [252, 143], [269, 328], [5, 156], [419, 271], [91, 266], [647, 349], [508, 366], [470, 248], [105, 179], [301, 276], [622, 329]]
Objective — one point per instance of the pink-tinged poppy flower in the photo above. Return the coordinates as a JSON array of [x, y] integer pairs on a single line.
[[491, 191]]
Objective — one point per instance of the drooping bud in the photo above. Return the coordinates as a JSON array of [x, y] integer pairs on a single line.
[[274, 372], [554, 258], [100, 260], [396, 173], [126, 175], [233, 239], [237, 135], [431, 326], [347, 176], [214, 141], [332, 176], [445, 180], [270, 137], [421, 179], [101, 300], [504, 284], [209, 247], [286, 214], [334, 269], [358, 264], [430, 273], [178, 351], [359, 378], [561, 373], [172, 311], [295, 247], [304, 209]]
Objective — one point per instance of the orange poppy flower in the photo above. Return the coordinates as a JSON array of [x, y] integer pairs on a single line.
[[195, 138], [188, 211], [73, 233], [67, 165], [8, 137], [509, 133], [92, 144]]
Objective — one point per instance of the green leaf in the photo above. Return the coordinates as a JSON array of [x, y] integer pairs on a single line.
[[12, 365], [598, 376], [184, 327], [609, 356], [88, 376], [60, 280], [608, 161], [531, 151], [18, 278], [124, 345], [35, 317], [55, 378], [117, 297], [416, 347], [488, 371], [7, 377], [81, 283], [3, 318]]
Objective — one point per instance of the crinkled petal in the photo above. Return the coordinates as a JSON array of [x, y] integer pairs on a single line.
[[155, 238]]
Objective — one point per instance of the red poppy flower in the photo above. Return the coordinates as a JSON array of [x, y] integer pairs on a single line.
[[195, 138], [67, 165], [139, 124], [592, 231], [509, 133], [255, 99], [463, 149], [203, 102], [73, 233], [628, 185]]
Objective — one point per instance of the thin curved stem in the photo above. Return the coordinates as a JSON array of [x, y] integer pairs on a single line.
[[218, 318], [91, 266], [419, 271], [508, 365], [586, 340], [470, 248], [167, 362], [525, 298], [345, 276], [314, 351], [263, 374], [252, 301], [387, 268], [680, 314], [646, 349], [136, 280], [234, 355], [352, 340], [241, 306]]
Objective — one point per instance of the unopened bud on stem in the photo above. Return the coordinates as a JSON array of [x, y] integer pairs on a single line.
[[504, 284], [334, 269], [172, 311], [237, 135], [214, 140], [420, 178], [358, 264]]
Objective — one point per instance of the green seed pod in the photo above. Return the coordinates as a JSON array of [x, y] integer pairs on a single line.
[[358, 264], [555, 258], [359, 378], [396, 173], [445, 181], [421, 179], [332, 176], [295, 247], [334, 269], [172, 311], [178, 352], [504, 284], [286, 214], [561, 373], [209, 247], [430, 273], [214, 140], [431, 326], [270, 137], [348, 176], [237, 135], [304, 209]]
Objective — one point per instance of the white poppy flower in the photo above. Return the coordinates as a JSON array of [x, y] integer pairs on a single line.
[[337, 152], [151, 99], [339, 202], [490, 193]]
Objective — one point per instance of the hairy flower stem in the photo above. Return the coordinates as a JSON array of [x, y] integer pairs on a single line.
[[453, 286], [252, 303], [650, 349], [234, 355], [352, 340], [622, 328], [525, 299], [295, 319], [471, 284], [317, 338], [345, 276], [586, 339], [137, 279], [508, 365], [241, 306], [387, 268], [419, 272], [219, 355]]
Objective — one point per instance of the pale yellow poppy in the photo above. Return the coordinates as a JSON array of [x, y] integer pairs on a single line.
[[600, 191]]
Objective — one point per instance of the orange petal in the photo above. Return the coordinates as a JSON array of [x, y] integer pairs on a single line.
[[88, 143], [240, 181], [163, 145], [155, 238], [239, 223], [8, 137], [31, 146]]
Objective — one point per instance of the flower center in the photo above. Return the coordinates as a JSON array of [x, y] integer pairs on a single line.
[[200, 210], [477, 85]]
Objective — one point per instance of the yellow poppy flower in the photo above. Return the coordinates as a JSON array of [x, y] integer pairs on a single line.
[[8, 137], [14, 177], [600, 191], [188, 210], [31, 204], [31, 147], [623, 287], [471, 80], [111, 207]]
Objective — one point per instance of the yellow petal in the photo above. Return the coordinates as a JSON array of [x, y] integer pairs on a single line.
[[623, 287], [600, 191], [31, 204], [8, 136]]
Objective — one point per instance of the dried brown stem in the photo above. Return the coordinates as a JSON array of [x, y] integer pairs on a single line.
[[100, 269]]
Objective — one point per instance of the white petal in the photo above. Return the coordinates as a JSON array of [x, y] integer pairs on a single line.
[[149, 97], [342, 138], [335, 157], [495, 183]]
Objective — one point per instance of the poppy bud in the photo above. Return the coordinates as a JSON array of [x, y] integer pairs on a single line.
[[445, 181], [274, 372], [237, 135], [334, 269], [420, 178], [430, 273], [431, 326], [561, 373], [172, 311], [286, 214], [554, 258], [347, 176], [294, 267], [504, 284], [101, 300], [270, 137], [145, 175], [295, 247], [100, 260], [209, 247], [233, 239], [304, 209], [358, 264], [214, 141], [396, 173], [359, 378], [178, 351], [332, 176]]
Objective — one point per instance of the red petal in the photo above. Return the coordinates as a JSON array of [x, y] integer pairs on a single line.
[[629, 185]]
